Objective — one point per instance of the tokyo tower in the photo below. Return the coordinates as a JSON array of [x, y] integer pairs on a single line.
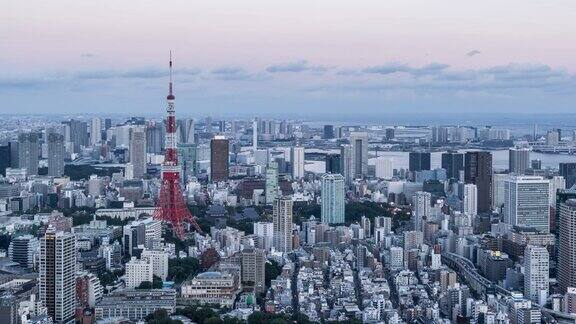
[[171, 207]]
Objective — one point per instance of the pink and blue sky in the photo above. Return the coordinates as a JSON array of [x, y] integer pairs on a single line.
[[235, 57]]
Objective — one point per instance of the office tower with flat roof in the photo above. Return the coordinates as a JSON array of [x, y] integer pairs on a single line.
[[297, 160], [470, 203], [23, 250], [187, 159], [107, 123], [282, 219], [478, 170], [271, 186], [347, 163], [95, 131], [568, 171], [55, 154], [155, 138], [518, 160], [556, 183], [332, 195], [526, 202], [328, 132], [421, 209], [78, 134], [219, 158], [536, 274], [138, 152], [28, 152], [453, 163], [253, 263], [384, 168], [5, 157], [566, 274], [332, 163], [186, 131], [498, 180], [359, 142], [418, 161], [57, 274]]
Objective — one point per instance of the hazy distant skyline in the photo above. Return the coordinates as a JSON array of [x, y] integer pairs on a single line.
[[302, 57]]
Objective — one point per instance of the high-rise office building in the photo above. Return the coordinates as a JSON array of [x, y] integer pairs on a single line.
[[347, 163], [332, 192], [138, 152], [271, 186], [478, 170], [332, 163], [568, 171], [253, 268], [518, 160], [470, 203], [566, 274], [95, 131], [255, 134], [556, 183], [453, 163], [78, 134], [419, 161], [186, 131], [5, 158], [282, 219], [155, 138], [384, 168], [421, 209], [28, 152], [526, 202], [219, 158], [328, 132], [297, 160], [23, 250], [187, 159], [536, 274], [57, 274], [359, 142], [107, 123], [498, 180], [55, 154]]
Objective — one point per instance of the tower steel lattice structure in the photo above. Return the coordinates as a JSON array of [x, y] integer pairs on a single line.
[[171, 207]]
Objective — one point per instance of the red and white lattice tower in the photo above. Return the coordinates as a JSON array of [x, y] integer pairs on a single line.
[[171, 207]]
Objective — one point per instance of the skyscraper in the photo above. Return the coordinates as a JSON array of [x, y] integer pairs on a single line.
[[332, 163], [453, 163], [518, 160], [186, 130], [478, 170], [470, 204], [297, 160], [526, 202], [255, 134], [271, 186], [347, 163], [282, 219], [359, 142], [421, 208], [5, 157], [55, 154], [384, 168], [567, 242], [154, 138], [253, 268], [219, 151], [78, 134], [187, 159], [138, 152], [57, 274], [95, 131], [568, 171], [23, 250], [332, 191], [328, 132], [28, 152], [419, 161], [536, 278]]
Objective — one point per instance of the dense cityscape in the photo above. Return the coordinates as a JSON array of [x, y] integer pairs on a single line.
[[180, 220]]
